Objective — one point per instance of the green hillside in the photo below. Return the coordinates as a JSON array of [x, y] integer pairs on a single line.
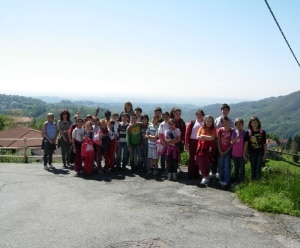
[[279, 115]]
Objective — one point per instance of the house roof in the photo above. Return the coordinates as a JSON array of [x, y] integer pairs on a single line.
[[33, 137]]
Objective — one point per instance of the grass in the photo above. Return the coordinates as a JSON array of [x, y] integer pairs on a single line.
[[276, 192]]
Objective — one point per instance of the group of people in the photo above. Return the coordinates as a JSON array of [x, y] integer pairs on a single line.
[[214, 143], [131, 138]]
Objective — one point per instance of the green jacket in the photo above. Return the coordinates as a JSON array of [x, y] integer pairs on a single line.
[[133, 135]]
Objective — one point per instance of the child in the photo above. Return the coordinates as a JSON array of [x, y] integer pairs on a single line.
[[162, 145], [206, 147], [122, 150], [77, 137], [97, 144], [112, 145], [224, 148], [88, 149], [133, 138], [237, 141], [173, 138], [105, 140], [255, 147], [152, 135], [144, 128]]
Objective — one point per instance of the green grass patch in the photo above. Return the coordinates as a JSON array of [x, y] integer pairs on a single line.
[[276, 192]]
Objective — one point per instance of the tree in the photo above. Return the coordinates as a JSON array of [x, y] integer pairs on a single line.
[[2, 122]]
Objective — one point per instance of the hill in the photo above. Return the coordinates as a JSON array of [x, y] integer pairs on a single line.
[[279, 115]]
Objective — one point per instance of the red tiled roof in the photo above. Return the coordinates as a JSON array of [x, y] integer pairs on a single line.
[[20, 132]]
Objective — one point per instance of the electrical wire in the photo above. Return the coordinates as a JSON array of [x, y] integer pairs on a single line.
[[282, 33]]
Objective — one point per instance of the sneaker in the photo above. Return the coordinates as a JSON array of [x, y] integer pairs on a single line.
[[203, 181], [77, 174], [51, 166], [149, 172], [155, 172], [164, 174], [223, 183], [46, 167], [206, 180]]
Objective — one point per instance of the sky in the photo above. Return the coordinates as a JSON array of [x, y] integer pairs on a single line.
[[182, 50]]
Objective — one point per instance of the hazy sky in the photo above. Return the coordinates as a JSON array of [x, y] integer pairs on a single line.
[[151, 48]]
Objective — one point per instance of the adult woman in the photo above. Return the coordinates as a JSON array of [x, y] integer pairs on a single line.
[[191, 142], [49, 134], [64, 142]]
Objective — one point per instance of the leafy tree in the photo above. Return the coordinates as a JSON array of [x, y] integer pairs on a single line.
[[289, 143], [2, 122]]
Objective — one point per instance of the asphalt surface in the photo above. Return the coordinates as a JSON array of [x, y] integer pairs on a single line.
[[40, 208]]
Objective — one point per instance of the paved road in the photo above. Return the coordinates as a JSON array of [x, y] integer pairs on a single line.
[[55, 209]]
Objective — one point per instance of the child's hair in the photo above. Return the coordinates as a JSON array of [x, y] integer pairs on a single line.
[[224, 118], [145, 117], [111, 121], [89, 123], [102, 122], [238, 120], [171, 120], [79, 119], [254, 118], [212, 119], [133, 115], [200, 111]]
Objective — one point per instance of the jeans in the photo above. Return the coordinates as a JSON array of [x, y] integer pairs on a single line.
[[145, 160], [136, 155], [214, 166], [256, 160], [225, 167], [122, 147], [65, 151], [163, 162], [48, 152], [172, 165], [239, 169]]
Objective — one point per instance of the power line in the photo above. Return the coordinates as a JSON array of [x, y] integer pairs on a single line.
[[282, 33]]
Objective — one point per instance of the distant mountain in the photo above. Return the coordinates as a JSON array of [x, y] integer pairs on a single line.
[[279, 115]]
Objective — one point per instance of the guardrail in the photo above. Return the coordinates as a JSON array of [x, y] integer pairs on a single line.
[[23, 149], [25, 156]]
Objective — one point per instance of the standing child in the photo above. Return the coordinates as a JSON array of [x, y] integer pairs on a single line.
[[122, 149], [237, 141], [224, 148], [206, 147], [255, 147], [152, 135], [162, 145], [87, 145], [133, 138], [144, 144], [105, 140], [112, 145], [77, 137], [173, 138]]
